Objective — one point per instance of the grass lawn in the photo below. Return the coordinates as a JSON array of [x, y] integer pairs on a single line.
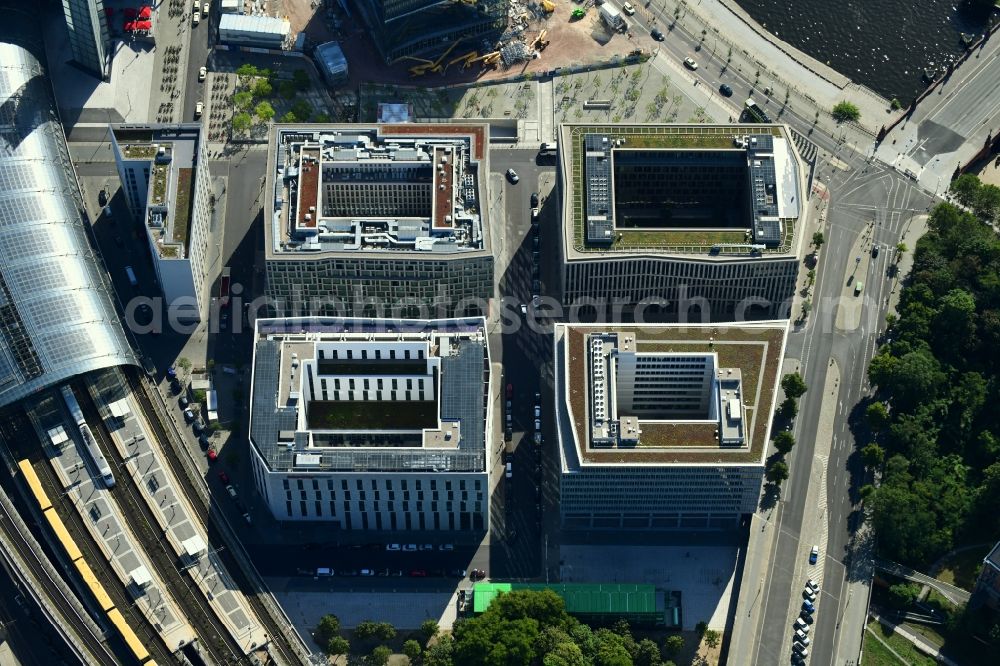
[[961, 570], [902, 646], [928, 632], [182, 212], [876, 654]]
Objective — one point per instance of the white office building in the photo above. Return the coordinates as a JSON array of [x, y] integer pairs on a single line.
[[695, 219], [373, 424], [379, 220], [165, 177], [664, 427]]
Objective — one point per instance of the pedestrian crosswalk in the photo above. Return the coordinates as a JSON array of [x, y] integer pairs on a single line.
[[807, 149]]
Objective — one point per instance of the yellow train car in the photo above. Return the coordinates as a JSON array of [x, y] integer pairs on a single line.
[[28, 472], [131, 640], [68, 544], [96, 589]]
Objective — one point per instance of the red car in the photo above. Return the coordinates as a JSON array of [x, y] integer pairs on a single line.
[[418, 573], [212, 455], [510, 391], [224, 478]]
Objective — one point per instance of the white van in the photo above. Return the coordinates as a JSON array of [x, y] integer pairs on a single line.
[[510, 471]]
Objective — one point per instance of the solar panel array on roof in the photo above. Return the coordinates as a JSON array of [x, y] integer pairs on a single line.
[[597, 175], [462, 394], [763, 190], [462, 391]]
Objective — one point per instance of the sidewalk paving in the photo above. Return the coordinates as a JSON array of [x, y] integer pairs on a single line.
[[918, 641]]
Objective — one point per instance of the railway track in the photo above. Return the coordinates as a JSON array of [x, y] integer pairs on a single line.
[[98, 649], [213, 636], [280, 645], [95, 648]]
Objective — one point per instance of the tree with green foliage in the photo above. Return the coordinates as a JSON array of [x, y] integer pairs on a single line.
[[429, 629], [793, 385], [262, 88], [380, 655], [712, 638], [873, 455], [777, 472], [338, 645], [784, 441], [384, 631], [327, 628], [647, 653], [300, 79], [441, 653], [264, 111], [288, 117], [246, 71], [321, 118], [412, 650], [846, 111], [903, 595], [243, 100], [565, 654], [673, 645], [302, 110], [788, 409], [366, 630], [242, 122], [818, 239], [287, 89], [877, 415]]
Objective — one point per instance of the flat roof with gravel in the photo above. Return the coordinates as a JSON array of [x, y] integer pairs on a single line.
[[763, 206], [755, 349]]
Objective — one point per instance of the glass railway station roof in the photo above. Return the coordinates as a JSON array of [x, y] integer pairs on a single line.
[[57, 313]]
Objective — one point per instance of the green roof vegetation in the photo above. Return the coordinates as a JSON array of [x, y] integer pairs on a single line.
[[134, 152], [372, 415], [680, 240], [752, 351], [182, 205], [160, 174]]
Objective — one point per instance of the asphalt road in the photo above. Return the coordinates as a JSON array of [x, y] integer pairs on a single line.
[[200, 36], [862, 198], [524, 350], [863, 194]]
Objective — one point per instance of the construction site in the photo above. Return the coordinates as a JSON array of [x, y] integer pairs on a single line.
[[531, 38]]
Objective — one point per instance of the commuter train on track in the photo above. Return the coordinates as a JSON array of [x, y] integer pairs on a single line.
[[89, 443]]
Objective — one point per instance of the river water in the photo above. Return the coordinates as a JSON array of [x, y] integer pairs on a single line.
[[883, 44]]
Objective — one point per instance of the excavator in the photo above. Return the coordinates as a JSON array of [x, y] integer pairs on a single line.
[[539, 43], [488, 60], [430, 65], [548, 6]]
